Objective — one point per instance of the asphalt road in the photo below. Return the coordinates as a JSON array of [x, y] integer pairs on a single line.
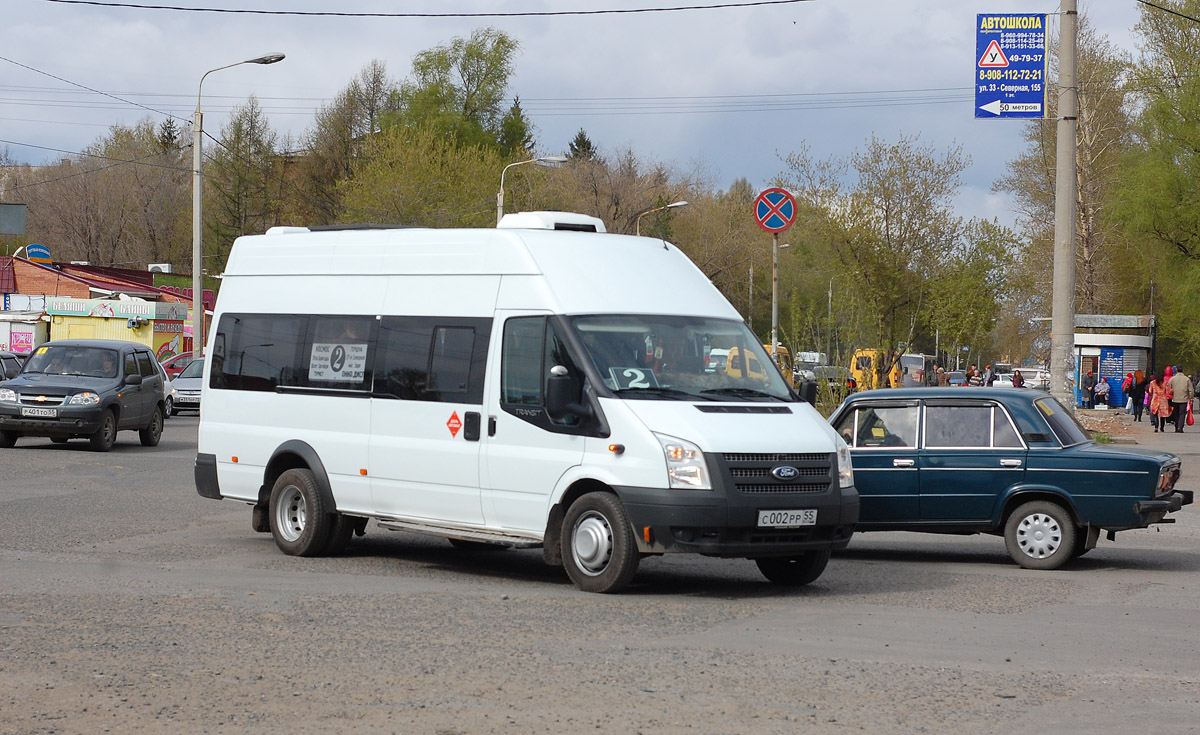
[[129, 604]]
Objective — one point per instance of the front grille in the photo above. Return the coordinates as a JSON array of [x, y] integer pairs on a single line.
[[750, 473], [765, 472], [779, 487], [775, 458], [31, 399]]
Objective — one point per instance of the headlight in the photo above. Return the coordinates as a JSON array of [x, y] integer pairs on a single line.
[[845, 467], [8, 395], [685, 464], [86, 398]]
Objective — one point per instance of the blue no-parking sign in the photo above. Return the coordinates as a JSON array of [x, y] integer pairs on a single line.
[[1010, 65], [775, 210]]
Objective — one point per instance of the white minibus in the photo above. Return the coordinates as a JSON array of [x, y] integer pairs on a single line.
[[540, 384]]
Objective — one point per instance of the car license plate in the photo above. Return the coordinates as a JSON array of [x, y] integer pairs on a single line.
[[44, 412], [787, 518]]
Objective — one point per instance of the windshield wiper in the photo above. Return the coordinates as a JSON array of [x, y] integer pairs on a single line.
[[746, 392], [657, 391]]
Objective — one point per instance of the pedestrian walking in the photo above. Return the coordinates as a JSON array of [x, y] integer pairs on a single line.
[[974, 377], [1018, 380], [1179, 389], [1160, 407], [1137, 393]]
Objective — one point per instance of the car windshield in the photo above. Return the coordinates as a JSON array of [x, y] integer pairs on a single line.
[[96, 362], [195, 369], [647, 356], [1062, 423]]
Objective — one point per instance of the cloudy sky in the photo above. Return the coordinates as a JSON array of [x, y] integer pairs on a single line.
[[730, 90]]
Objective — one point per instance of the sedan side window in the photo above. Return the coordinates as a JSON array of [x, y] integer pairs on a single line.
[[1005, 434], [958, 426], [880, 426]]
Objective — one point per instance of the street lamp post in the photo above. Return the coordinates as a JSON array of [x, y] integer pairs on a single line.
[[540, 161], [197, 205], [637, 222]]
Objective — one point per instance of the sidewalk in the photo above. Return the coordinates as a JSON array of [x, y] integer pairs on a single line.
[[1124, 430]]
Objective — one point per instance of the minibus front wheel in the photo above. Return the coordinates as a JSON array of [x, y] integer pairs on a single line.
[[300, 522], [598, 547]]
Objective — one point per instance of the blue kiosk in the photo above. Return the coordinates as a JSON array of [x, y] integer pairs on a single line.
[[1112, 346]]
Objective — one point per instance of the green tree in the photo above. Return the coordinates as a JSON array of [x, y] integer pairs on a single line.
[[459, 90], [243, 183], [420, 178], [1159, 200], [337, 137], [581, 147], [1104, 136], [892, 235]]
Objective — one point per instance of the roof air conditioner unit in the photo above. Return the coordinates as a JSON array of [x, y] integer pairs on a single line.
[[160, 268]]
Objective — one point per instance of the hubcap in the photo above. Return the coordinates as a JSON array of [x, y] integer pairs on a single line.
[[591, 542], [291, 514], [1039, 535]]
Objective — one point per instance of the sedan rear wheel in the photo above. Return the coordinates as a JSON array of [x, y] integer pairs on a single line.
[[1040, 535]]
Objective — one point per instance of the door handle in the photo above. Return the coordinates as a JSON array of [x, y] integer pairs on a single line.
[[471, 426], [903, 462], [491, 425], [1010, 463]]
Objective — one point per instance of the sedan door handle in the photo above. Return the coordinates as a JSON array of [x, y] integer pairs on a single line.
[[903, 462], [1010, 463]]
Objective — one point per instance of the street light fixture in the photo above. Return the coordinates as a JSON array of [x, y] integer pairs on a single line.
[[197, 205], [637, 223], [547, 161]]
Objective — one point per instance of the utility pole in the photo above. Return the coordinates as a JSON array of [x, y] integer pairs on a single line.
[[1062, 315]]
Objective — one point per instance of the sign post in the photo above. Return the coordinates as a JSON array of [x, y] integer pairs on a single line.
[[1010, 65], [775, 211]]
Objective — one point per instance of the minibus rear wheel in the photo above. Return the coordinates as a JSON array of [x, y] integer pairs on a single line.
[[598, 548], [300, 522]]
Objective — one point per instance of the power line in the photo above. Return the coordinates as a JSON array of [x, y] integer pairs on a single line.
[[96, 91], [1169, 10], [346, 14], [141, 161]]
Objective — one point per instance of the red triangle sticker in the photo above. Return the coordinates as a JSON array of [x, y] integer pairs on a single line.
[[994, 57]]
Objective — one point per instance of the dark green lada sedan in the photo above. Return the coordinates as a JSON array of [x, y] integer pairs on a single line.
[[1007, 461]]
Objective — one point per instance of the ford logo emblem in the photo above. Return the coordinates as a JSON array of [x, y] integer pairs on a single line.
[[785, 473]]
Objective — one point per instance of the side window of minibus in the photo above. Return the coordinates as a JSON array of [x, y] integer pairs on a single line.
[[521, 372]]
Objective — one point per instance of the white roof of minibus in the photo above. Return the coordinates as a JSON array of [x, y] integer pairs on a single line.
[[586, 272]]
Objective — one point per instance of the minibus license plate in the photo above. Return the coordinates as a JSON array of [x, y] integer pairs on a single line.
[[46, 412], [787, 518]]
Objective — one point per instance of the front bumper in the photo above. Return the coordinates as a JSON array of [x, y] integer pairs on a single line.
[[712, 523], [68, 421]]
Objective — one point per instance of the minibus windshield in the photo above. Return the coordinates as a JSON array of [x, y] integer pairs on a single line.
[[657, 357]]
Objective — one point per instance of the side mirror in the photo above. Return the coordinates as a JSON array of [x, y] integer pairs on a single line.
[[561, 401], [808, 392], [133, 380]]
